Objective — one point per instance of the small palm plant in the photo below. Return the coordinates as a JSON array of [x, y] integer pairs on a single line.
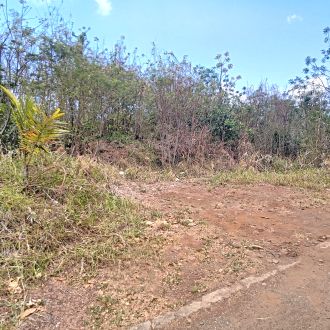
[[35, 128]]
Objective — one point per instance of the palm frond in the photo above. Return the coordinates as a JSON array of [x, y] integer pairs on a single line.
[[36, 128], [12, 98]]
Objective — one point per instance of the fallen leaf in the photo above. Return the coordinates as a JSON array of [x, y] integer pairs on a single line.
[[255, 247], [28, 312], [31, 311]]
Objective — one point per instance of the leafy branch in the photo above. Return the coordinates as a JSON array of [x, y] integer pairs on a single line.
[[35, 128]]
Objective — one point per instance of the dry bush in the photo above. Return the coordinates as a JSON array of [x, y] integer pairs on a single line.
[[184, 145], [220, 157]]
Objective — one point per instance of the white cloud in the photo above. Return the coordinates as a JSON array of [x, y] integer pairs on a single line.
[[104, 7], [294, 18], [319, 83], [316, 85]]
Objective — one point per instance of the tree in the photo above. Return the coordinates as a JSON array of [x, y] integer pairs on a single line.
[[312, 92]]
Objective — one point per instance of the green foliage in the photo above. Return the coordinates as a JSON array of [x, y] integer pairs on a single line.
[[120, 137], [35, 128], [69, 222], [70, 219], [9, 137], [182, 110], [223, 125]]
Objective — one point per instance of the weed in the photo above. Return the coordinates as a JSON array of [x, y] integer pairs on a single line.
[[311, 178], [173, 279], [156, 214], [198, 288], [67, 219]]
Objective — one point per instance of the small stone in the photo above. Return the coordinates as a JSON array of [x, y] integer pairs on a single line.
[[322, 238], [284, 251]]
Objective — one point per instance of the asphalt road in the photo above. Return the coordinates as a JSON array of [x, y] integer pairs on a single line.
[[298, 298]]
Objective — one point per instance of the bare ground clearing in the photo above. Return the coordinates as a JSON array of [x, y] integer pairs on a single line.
[[203, 238]]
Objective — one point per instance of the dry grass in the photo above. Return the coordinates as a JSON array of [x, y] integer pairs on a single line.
[[310, 178], [67, 218]]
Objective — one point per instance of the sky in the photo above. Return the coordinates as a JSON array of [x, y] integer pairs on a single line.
[[267, 39]]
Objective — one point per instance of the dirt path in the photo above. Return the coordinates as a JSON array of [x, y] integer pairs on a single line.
[[207, 238], [275, 224], [297, 299]]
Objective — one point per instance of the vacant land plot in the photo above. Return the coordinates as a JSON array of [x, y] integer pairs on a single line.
[[198, 238]]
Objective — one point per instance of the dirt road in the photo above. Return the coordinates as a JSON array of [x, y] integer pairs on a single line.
[[203, 239], [287, 224], [297, 299]]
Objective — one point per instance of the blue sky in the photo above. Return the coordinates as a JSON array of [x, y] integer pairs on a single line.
[[266, 39]]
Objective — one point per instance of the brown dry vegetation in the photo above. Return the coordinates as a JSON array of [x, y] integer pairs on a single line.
[[95, 245], [168, 184]]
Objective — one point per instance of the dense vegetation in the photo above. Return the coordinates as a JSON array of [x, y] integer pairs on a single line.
[[181, 112], [60, 212]]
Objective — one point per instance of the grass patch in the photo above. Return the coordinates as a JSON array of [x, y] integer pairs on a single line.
[[67, 218], [310, 178]]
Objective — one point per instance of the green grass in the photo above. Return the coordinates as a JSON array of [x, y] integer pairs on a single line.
[[67, 218], [311, 178]]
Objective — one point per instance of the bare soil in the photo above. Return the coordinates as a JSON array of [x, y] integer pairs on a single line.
[[296, 299], [200, 238]]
